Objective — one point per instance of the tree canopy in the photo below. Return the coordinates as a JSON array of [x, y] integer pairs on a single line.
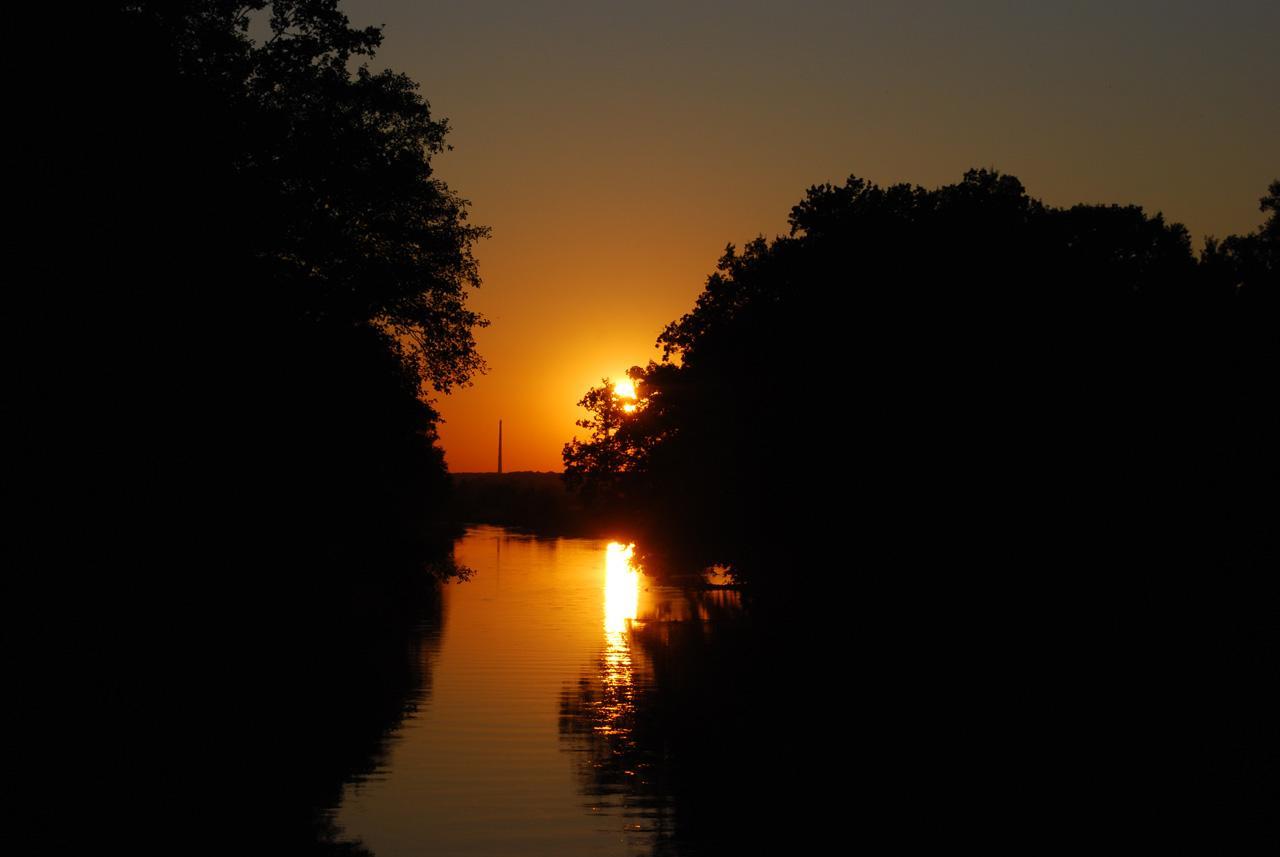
[[904, 347], [239, 282], [1006, 468], [297, 275], [338, 203]]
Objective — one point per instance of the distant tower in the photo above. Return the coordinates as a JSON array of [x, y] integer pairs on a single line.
[[499, 446]]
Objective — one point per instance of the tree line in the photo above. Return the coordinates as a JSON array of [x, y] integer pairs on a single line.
[[243, 282], [237, 286], [1004, 474], [966, 359]]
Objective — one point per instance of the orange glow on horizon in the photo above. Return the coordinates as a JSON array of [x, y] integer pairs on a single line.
[[606, 224]]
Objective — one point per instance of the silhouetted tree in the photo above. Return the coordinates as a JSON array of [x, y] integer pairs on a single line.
[[1248, 266], [297, 276], [239, 284], [1022, 452], [919, 344], [607, 452]]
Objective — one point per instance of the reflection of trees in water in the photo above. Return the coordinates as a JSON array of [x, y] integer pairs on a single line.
[[350, 680], [376, 687], [642, 720], [619, 759]]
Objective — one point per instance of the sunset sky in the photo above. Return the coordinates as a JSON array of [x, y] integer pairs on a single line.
[[615, 149]]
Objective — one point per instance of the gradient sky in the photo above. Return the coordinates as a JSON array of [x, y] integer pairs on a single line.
[[615, 149]]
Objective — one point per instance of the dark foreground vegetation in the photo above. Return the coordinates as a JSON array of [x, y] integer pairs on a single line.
[[239, 285], [1006, 473]]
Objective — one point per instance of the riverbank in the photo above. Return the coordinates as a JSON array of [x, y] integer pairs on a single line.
[[536, 502]]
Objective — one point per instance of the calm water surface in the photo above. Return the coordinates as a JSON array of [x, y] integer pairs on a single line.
[[522, 743]]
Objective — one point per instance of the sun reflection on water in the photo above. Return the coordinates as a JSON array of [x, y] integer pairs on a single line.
[[621, 588], [621, 604]]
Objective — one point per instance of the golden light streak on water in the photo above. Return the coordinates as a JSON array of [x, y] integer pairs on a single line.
[[621, 588], [621, 604]]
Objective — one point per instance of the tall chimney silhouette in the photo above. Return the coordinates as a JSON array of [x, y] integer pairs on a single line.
[[499, 446]]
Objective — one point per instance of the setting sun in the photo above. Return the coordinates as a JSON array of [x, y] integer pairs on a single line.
[[625, 389]]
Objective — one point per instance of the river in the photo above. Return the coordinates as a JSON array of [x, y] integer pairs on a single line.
[[563, 703], [536, 730]]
